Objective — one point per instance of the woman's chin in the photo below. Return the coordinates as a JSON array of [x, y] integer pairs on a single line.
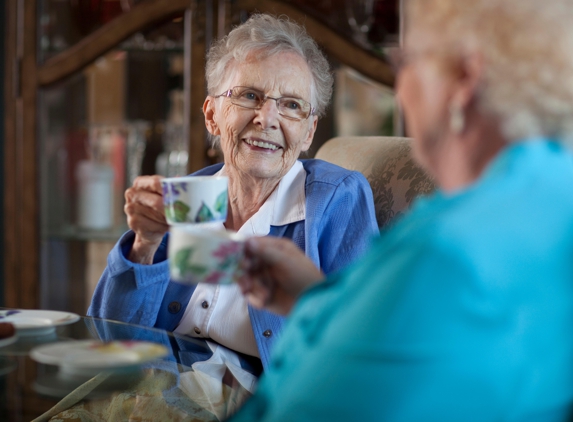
[[259, 169]]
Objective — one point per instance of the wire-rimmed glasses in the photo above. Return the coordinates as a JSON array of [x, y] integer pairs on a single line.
[[289, 107]]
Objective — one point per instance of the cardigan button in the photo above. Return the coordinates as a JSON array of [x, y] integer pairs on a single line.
[[205, 304], [267, 333], [174, 307]]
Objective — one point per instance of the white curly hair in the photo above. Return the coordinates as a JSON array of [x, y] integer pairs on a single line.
[[527, 47], [268, 35]]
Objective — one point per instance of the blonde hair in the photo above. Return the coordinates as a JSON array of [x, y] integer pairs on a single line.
[[266, 35], [527, 46]]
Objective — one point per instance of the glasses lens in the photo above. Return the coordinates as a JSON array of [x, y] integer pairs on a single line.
[[290, 107], [293, 107], [246, 97], [395, 57]]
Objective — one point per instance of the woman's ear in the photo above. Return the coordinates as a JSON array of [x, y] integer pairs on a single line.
[[209, 113], [470, 76], [310, 135]]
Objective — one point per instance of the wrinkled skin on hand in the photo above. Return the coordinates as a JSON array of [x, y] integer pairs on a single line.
[[146, 217], [275, 273]]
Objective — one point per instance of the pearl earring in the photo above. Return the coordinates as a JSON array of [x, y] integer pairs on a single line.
[[457, 119]]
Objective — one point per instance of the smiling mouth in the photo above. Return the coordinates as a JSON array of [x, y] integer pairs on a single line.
[[262, 144]]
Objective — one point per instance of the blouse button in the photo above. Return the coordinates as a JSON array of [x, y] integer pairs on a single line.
[[197, 330], [267, 333], [174, 307], [205, 304]]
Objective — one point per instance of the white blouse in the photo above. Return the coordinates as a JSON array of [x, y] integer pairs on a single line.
[[219, 312]]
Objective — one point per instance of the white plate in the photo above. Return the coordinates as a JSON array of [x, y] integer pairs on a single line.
[[8, 340], [89, 356], [36, 322]]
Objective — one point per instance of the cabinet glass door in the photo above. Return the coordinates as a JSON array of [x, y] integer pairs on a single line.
[[120, 117]]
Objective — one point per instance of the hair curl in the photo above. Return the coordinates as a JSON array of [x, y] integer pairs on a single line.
[[527, 47], [268, 35]]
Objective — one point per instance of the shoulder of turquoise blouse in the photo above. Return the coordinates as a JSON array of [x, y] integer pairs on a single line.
[[449, 310]]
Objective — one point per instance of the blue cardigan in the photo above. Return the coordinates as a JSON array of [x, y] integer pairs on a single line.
[[339, 224]]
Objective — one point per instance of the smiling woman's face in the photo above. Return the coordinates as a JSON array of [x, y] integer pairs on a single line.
[[262, 143]]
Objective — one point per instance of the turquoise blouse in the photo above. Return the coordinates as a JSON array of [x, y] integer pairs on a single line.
[[463, 311]]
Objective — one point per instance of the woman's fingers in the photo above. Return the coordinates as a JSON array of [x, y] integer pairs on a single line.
[[276, 271], [145, 215], [147, 198], [141, 221], [143, 208], [148, 183]]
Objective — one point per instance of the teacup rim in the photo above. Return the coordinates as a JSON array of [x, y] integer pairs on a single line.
[[209, 232], [194, 178]]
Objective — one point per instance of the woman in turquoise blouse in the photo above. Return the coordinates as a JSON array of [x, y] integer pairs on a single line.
[[463, 311]]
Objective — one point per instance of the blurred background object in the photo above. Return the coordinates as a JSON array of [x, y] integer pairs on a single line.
[[105, 90]]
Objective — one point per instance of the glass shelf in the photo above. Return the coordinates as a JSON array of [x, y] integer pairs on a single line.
[[97, 131], [76, 233]]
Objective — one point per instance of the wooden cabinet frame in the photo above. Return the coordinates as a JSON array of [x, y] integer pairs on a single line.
[[24, 76]]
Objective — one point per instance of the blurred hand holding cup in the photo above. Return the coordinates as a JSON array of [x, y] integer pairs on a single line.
[[196, 199], [198, 254]]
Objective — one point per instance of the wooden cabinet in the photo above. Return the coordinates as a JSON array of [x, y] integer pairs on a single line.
[[66, 91]]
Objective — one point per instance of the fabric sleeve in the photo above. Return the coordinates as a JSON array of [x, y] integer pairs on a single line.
[[131, 292], [342, 228], [425, 338]]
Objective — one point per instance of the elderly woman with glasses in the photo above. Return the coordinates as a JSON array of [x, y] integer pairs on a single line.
[[268, 83], [463, 310]]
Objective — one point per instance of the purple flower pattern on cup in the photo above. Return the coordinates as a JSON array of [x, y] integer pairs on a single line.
[[178, 209]]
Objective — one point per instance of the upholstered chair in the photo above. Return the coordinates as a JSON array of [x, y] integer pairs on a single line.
[[387, 164]]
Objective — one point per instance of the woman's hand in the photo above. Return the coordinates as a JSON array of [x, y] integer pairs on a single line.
[[146, 217], [276, 272]]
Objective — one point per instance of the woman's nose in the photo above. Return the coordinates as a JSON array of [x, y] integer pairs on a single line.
[[268, 115]]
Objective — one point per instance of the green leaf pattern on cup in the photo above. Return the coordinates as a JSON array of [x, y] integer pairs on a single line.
[[204, 214], [183, 265], [178, 211], [221, 203], [226, 256]]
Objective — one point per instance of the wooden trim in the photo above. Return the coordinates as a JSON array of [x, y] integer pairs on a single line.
[[195, 89], [107, 37], [21, 221], [27, 162], [11, 249], [336, 46]]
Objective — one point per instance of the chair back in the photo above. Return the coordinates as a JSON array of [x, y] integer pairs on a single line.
[[387, 165]]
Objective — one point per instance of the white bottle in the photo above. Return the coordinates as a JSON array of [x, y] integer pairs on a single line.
[[95, 195]]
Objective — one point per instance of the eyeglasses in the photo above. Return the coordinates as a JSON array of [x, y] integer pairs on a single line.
[[399, 58], [289, 107]]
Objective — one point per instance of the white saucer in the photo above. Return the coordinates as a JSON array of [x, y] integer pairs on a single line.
[[88, 357], [29, 322], [8, 340]]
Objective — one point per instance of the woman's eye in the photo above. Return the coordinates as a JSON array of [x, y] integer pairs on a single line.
[[292, 105], [250, 96]]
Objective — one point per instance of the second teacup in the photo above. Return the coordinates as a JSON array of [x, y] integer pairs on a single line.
[[201, 255], [195, 199]]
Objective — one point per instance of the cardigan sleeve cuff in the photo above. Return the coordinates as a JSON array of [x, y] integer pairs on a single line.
[[145, 275]]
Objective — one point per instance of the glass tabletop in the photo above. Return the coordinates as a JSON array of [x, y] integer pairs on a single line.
[[197, 380]]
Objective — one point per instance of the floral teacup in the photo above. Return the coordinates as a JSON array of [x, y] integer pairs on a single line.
[[201, 255], [195, 199]]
